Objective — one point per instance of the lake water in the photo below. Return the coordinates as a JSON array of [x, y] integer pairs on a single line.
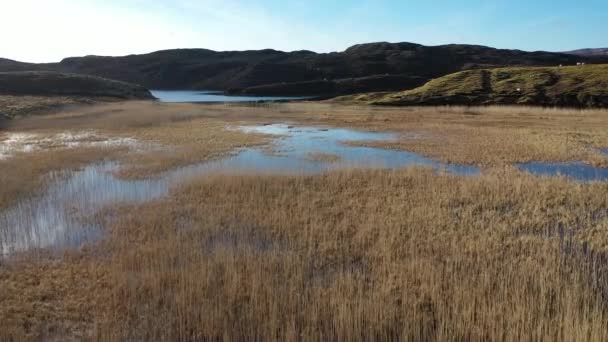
[[212, 96], [63, 215]]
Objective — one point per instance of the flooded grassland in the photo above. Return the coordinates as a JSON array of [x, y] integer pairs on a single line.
[[155, 221]]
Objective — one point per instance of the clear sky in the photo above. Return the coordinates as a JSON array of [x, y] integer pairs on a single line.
[[48, 30]]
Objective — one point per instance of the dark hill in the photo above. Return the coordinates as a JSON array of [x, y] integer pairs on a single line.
[[365, 67], [54, 83], [590, 52], [10, 65]]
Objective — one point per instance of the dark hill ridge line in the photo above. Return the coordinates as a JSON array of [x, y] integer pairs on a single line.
[[590, 52], [49, 83], [364, 67]]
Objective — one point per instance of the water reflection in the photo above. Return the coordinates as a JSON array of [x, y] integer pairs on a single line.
[[212, 96], [576, 171], [293, 148], [61, 216]]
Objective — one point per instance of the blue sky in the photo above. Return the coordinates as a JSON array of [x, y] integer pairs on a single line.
[[46, 31]]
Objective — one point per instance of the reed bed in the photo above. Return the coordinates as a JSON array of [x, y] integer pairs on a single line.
[[24, 174], [350, 255], [347, 255], [491, 136]]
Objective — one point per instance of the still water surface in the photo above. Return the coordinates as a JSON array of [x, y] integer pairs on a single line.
[[577, 171], [574, 170], [212, 96], [63, 215]]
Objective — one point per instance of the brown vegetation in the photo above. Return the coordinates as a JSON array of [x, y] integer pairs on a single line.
[[351, 255], [185, 143], [323, 157], [489, 136], [14, 106], [169, 137], [23, 175]]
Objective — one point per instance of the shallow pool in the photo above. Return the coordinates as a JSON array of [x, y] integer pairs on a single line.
[[64, 214], [575, 170]]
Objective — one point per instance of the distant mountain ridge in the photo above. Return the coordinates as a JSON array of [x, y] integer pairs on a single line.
[[603, 52], [360, 68]]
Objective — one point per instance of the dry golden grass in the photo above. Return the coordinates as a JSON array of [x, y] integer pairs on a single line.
[[23, 175], [185, 143], [173, 135], [350, 255], [489, 136], [13, 106], [62, 295]]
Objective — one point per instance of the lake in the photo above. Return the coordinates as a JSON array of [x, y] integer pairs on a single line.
[[213, 96]]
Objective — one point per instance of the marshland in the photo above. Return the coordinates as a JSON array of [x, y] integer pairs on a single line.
[[278, 171], [143, 220]]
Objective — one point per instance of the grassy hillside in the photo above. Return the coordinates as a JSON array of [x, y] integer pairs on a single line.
[[583, 86], [14, 106]]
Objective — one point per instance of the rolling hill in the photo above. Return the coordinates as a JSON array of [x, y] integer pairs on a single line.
[[590, 52], [39, 92], [576, 86], [361, 68], [54, 83]]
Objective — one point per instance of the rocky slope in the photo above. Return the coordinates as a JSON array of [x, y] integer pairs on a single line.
[[577, 86], [366, 67]]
